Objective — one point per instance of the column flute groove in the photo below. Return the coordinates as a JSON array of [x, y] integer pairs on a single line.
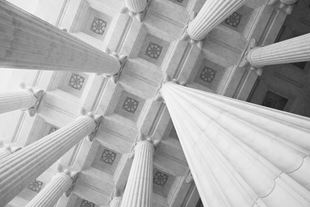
[[288, 51], [12, 101], [241, 154], [31, 43], [210, 15], [50, 194], [138, 189]]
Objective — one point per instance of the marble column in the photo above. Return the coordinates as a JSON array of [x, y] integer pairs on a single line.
[[5, 151], [22, 167], [241, 154], [136, 6], [28, 42], [139, 187], [11, 101], [210, 15], [288, 51], [50, 194]]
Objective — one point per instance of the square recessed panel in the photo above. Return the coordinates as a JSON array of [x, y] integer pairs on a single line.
[[234, 19], [74, 83], [209, 74], [108, 156], [98, 26], [129, 106], [239, 19], [162, 182], [274, 100], [86, 203], [106, 160], [153, 49]]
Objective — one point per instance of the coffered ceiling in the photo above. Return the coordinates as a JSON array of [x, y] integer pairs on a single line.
[[129, 106]]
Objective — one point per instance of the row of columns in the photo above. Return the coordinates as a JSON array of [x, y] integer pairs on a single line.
[[18, 169], [269, 168], [31, 43]]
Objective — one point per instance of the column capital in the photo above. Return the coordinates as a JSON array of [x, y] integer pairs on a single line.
[[186, 37], [189, 177], [73, 174], [166, 79], [96, 118], [245, 62], [39, 94], [123, 60], [74, 177], [136, 8], [284, 5], [98, 121]]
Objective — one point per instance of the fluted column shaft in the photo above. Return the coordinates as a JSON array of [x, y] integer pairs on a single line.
[[5, 151], [289, 51], [28, 42], [50, 194], [210, 15], [136, 6], [12, 101], [138, 189], [241, 154], [22, 167]]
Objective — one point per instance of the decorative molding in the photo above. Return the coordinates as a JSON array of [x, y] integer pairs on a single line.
[[234, 19], [35, 186], [130, 105], [207, 74], [160, 178], [76, 81], [153, 50], [108, 156], [98, 26], [86, 203]]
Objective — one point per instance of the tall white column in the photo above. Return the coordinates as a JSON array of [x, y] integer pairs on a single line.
[[23, 99], [5, 151], [139, 187], [136, 6], [210, 15], [28, 42], [50, 194], [241, 154], [20, 168], [289, 51]]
